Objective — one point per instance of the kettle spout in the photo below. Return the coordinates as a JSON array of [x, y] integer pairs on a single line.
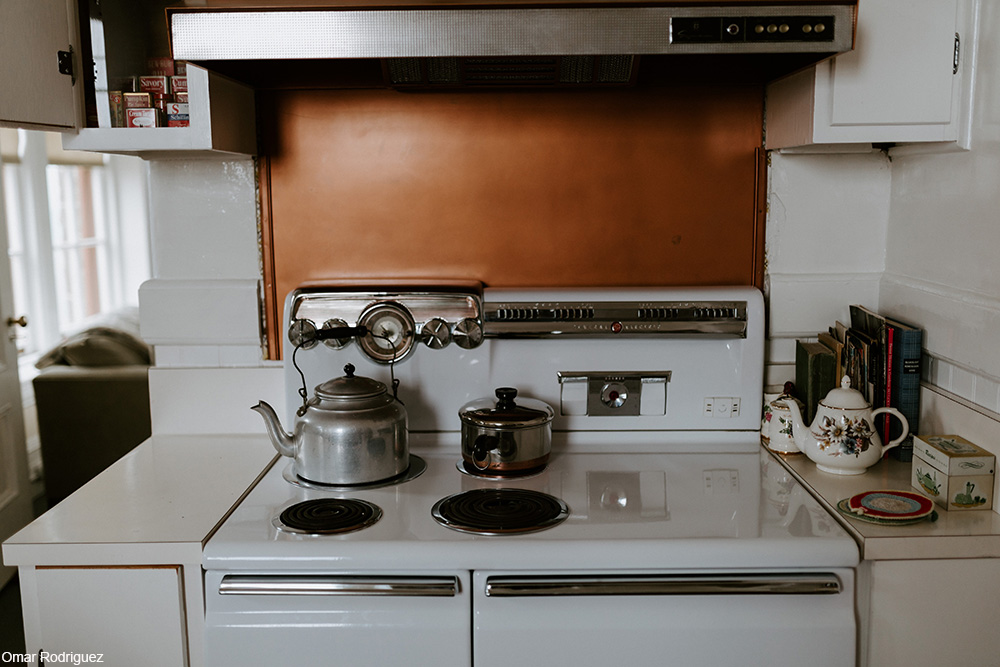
[[283, 442]]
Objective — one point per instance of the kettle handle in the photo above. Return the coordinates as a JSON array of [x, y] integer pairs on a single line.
[[895, 413]]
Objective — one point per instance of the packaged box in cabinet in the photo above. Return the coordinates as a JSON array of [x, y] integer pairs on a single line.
[[177, 115], [137, 100], [155, 84], [116, 105], [953, 472], [142, 117], [160, 66], [179, 84]]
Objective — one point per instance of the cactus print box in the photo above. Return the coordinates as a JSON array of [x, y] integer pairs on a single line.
[[953, 472]]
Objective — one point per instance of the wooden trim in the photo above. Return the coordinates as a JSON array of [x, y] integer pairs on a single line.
[[760, 217], [272, 310]]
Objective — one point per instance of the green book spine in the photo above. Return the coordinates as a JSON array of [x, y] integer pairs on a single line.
[[815, 374]]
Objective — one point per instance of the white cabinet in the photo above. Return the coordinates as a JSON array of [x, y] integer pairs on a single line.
[[89, 610], [33, 93], [904, 82], [928, 612], [121, 34]]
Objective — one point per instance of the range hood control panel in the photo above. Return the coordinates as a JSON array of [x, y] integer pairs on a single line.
[[751, 29]]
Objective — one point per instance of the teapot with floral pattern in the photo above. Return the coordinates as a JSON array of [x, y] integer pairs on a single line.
[[842, 438]]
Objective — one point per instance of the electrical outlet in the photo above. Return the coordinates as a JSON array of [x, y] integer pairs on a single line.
[[722, 407], [719, 481]]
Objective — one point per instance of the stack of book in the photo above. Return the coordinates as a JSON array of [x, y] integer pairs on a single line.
[[880, 355]]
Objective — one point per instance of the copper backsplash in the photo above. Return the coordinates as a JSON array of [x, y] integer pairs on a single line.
[[656, 185]]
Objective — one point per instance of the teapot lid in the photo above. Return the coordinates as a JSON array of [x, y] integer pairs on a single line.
[[350, 387], [845, 397]]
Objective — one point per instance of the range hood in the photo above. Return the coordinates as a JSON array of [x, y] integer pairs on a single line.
[[503, 42]]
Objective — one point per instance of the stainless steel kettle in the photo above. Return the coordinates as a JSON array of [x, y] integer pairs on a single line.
[[352, 431]]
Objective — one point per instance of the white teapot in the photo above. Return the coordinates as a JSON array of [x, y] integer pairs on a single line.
[[776, 422], [842, 438]]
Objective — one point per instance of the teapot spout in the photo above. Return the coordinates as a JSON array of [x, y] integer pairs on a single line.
[[800, 432], [282, 441]]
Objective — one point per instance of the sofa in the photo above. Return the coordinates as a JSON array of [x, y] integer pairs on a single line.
[[92, 401]]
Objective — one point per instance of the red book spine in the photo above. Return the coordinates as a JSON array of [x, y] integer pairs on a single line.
[[889, 361]]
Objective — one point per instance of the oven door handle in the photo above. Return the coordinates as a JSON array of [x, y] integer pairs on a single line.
[[680, 584], [338, 585]]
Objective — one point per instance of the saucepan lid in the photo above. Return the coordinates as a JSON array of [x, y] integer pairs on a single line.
[[505, 413]]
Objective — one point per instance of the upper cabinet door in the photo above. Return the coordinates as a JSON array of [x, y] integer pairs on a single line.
[[33, 92], [908, 81], [901, 70]]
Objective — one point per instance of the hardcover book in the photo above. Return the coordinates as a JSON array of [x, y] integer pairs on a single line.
[[904, 383], [815, 375]]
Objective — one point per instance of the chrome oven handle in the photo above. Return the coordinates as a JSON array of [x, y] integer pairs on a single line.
[[680, 584], [293, 584]]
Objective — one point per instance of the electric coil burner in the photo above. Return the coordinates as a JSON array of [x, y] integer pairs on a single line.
[[328, 516], [500, 511]]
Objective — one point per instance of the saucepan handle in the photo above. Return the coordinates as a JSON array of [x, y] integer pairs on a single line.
[[481, 448], [895, 413]]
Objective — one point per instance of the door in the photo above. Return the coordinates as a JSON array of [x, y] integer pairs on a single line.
[[15, 495], [33, 92], [664, 619]]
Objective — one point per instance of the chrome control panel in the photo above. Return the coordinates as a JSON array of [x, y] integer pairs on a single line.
[[386, 324], [617, 318], [613, 393]]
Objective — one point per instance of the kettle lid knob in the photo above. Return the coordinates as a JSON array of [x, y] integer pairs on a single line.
[[349, 370]]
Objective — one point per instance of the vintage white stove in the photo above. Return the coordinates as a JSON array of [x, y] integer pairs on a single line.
[[669, 536]]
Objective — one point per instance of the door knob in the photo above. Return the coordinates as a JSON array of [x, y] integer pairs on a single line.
[[20, 321]]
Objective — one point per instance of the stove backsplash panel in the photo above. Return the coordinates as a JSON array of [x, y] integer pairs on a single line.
[[651, 185]]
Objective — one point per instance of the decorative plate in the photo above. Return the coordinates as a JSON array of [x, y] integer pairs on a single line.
[[842, 506], [890, 505]]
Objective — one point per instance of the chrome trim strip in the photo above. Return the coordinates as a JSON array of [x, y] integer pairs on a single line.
[[202, 35], [545, 319], [736, 329], [736, 584], [294, 584]]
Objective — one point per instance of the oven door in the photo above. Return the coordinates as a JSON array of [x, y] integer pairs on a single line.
[[711, 619], [362, 620]]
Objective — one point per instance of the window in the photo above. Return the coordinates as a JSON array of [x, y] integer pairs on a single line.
[[71, 259]]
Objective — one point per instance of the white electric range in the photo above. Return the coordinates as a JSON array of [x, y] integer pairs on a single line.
[[666, 535]]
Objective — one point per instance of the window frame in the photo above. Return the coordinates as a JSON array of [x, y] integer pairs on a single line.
[[36, 152]]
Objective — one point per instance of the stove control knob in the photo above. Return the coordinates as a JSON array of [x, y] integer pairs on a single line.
[[435, 334], [302, 333], [614, 394], [336, 343], [468, 333]]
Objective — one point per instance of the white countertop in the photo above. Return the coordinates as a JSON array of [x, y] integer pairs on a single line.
[[968, 534], [157, 504]]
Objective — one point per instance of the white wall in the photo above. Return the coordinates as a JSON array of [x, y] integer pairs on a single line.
[[200, 310], [942, 267], [824, 248]]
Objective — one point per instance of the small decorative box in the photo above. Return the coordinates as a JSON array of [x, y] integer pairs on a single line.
[[953, 472]]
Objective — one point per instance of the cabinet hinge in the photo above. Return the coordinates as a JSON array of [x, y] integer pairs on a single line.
[[955, 57], [65, 59]]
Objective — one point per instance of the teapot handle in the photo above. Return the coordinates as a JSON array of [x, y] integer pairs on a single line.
[[895, 413]]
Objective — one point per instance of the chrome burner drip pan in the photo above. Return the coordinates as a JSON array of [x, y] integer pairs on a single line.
[[328, 516], [503, 511], [416, 469]]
